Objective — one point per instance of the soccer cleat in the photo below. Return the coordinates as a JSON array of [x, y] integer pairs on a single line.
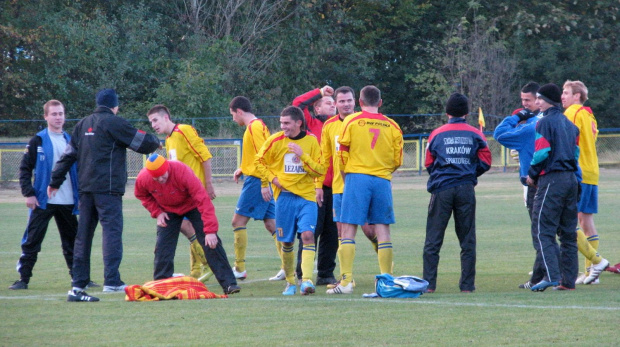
[[19, 285], [232, 289], [614, 269], [240, 275], [540, 287], [339, 289], [334, 285], [561, 287], [306, 288], [205, 276], [430, 291], [114, 289], [290, 289], [595, 271], [580, 278], [92, 284], [526, 285], [80, 296], [467, 291], [280, 276]]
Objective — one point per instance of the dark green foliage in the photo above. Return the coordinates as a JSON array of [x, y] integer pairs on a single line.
[[195, 59]]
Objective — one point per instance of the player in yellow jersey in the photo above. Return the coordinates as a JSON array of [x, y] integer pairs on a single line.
[[250, 203], [574, 95], [371, 149], [184, 144], [345, 104], [291, 160]]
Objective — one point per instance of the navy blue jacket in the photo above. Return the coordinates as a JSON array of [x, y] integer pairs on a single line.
[[99, 145], [456, 154], [557, 145]]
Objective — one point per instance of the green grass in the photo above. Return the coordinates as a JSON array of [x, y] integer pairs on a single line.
[[498, 313]]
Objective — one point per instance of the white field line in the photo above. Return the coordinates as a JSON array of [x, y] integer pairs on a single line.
[[346, 298]]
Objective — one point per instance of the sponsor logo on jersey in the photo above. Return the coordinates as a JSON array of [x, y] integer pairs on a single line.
[[292, 164], [89, 132]]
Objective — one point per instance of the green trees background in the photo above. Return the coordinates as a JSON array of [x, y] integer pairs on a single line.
[[195, 55]]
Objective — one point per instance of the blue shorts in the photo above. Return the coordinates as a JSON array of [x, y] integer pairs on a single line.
[[367, 198], [337, 206], [589, 199], [251, 203], [294, 214]]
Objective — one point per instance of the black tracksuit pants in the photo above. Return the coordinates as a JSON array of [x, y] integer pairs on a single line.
[[325, 238], [555, 214], [460, 200], [35, 232], [106, 209], [167, 239]]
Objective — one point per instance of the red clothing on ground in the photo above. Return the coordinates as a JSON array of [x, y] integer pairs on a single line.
[[182, 193]]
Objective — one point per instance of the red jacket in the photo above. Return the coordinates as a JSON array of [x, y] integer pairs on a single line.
[[182, 193], [314, 124]]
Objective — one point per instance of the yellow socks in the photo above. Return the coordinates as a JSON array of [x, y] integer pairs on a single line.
[[278, 248], [346, 261], [593, 241], [586, 249], [375, 244], [196, 257], [307, 261], [241, 245], [385, 255], [288, 262]]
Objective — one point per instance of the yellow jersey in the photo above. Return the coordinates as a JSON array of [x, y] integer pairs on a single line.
[[583, 118], [295, 174], [371, 144], [184, 145], [253, 138], [329, 148]]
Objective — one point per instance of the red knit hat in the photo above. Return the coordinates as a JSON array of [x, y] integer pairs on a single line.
[[156, 165]]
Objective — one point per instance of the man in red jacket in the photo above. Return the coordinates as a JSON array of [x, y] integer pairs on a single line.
[[170, 191]]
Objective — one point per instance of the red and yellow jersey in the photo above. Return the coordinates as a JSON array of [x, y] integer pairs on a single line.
[[186, 146], [295, 174], [371, 144], [329, 147], [253, 138], [583, 118]]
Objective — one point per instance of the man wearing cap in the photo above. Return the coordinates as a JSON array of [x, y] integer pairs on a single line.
[[99, 145], [553, 171], [170, 191], [456, 155]]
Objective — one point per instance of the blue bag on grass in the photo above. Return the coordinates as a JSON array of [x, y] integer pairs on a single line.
[[388, 286]]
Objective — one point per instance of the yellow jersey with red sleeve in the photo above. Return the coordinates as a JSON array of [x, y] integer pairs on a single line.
[[295, 174], [253, 138], [584, 119], [184, 145], [371, 144], [329, 148]]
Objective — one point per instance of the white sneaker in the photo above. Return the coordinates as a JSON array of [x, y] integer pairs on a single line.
[[580, 278], [280, 276], [339, 289], [240, 275], [595, 271], [114, 289]]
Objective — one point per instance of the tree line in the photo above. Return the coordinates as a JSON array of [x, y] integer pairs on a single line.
[[195, 55]]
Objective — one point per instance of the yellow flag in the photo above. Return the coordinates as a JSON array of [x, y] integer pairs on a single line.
[[481, 118]]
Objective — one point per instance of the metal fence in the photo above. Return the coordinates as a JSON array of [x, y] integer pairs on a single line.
[[227, 155]]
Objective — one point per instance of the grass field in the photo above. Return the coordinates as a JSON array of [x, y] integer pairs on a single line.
[[498, 313]]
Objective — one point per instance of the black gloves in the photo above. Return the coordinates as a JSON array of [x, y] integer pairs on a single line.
[[525, 114]]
